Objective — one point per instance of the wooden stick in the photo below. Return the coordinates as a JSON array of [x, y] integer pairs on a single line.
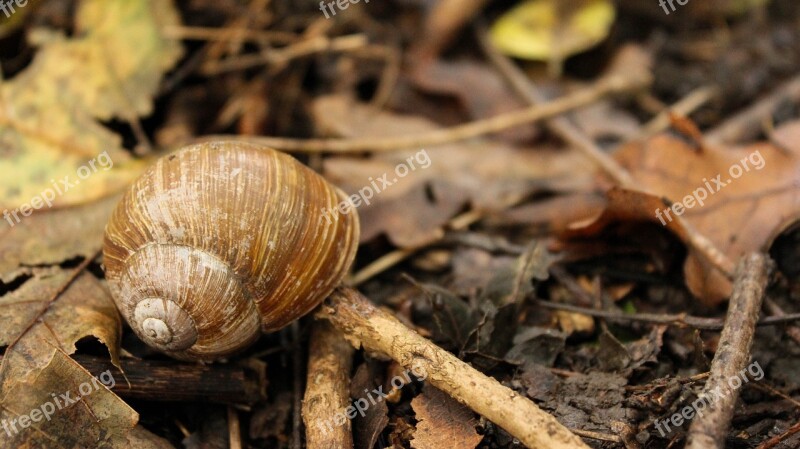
[[709, 428], [748, 123], [669, 319], [330, 358], [181, 382], [234, 429], [561, 126], [606, 86], [377, 331]]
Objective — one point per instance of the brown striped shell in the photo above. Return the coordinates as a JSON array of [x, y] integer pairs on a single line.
[[221, 240]]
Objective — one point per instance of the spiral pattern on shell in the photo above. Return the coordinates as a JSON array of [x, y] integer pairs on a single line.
[[220, 241]]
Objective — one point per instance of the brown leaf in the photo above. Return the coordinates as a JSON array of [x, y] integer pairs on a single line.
[[65, 409], [52, 238], [47, 309], [738, 209], [442, 422], [411, 210], [36, 321], [478, 87]]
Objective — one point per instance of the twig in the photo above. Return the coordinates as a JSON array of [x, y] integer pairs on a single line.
[[234, 429], [706, 248], [229, 34], [709, 429], [600, 89], [392, 258], [154, 380], [792, 331], [679, 319], [561, 126], [280, 57], [377, 331], [327, 388], [774, 441], [748, 123], [597, 435], [684, 107], [297, 387]]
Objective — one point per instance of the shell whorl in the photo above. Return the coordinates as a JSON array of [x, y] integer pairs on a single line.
[[219, 241]]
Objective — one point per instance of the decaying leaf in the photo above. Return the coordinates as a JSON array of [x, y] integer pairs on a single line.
[[38, 319], [442, 422], [369, 424], [54, 149], [63, 406], [486, 327], [501, 301]]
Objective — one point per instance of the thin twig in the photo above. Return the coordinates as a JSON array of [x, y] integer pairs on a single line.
[[596, 435], [281, 57], [774, 441], [678, 320], [392, 258], [748, 123], [574, 136], [792, 331], [710, 427], [604, 87], [234, 429], [297, 388], [684, 107], [561, 126], [230, 34]]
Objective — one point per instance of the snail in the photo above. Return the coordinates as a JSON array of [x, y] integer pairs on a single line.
[[219, 242]]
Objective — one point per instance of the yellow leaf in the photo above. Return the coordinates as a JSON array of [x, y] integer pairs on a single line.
[[53, 149], [546, 30]]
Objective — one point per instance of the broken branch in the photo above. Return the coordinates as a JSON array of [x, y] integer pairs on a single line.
[[377, 331]]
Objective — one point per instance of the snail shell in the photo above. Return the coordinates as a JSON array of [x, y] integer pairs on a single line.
[[220, 241]]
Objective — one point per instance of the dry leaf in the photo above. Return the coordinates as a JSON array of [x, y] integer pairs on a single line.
[[39, 322], [411, 210], [442, 422], [49, 112], [479, 88], [76, 416], [740, 212], [52, 238]]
